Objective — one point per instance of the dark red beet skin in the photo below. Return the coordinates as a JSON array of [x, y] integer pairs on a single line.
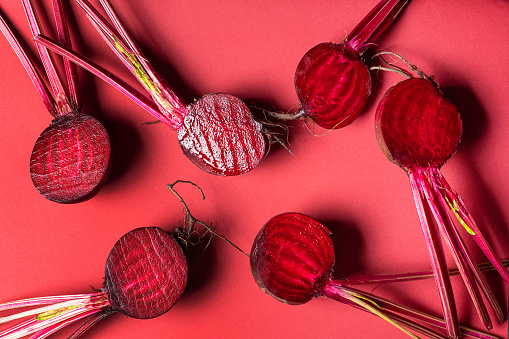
[[71, 158], [220, 135], [332, 84], [146, 272], [416, 125], [292, 258]]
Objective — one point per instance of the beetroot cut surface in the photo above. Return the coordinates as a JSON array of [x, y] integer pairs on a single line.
[[146, 272], [71, 158], [220, 136]]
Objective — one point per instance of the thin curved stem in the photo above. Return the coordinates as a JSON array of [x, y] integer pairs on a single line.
[[90, 322], [398, 69], [392, 69], [285, 116], [190, 221]]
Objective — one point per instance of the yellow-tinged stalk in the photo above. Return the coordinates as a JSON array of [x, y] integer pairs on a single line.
[[368, 305], [142, 75]]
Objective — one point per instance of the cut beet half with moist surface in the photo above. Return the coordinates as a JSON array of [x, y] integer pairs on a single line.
[[71, 158], [418, 129], [292, 259], [217, 132]]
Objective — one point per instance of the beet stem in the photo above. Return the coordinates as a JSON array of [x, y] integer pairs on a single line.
[[70, 68], [397, 318], [436, 254], [170, 96], [456, 246], [395, 312], [337, 292], [414, 314], [410, 324], [34, 75], [373, 24], [458, 207], [56, 327], [409, 276], [119, 40], [42, 301], [472, 269], [90, 322], [102, 73], [56, 313], [190, 221], [62, 101]]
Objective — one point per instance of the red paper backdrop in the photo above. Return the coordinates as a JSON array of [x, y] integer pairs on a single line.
[[250, 49]]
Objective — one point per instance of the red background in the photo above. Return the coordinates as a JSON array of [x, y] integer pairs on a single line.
[[250, 49]]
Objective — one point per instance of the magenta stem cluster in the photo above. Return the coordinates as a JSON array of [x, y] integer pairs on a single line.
[[374, 24], [62, 102], [58, 103], [52, 314], [433, 198], [405, 317], [171, 105]]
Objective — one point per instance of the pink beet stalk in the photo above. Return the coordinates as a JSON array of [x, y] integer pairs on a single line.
[[374, 24], [171, 105], [332, 81], [408, 276], [292, 259], [418, 129], [71, 157], [217, 133]]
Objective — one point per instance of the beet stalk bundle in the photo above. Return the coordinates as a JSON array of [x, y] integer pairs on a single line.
[[292, 259], [71, 158], [418, 129], [217, 132], [332, 81]]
